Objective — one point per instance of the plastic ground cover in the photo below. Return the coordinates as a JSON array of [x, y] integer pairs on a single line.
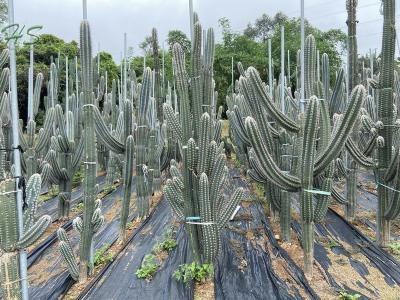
[[48, 276], [119, 281], [244, 269], [342, 233]]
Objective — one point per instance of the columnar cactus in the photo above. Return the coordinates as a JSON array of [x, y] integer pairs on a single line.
[[63, 159], [92, 218], [11, 242], [195, 194], [388, 208]]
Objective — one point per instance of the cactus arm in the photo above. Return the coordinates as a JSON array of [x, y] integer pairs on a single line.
[[338, 141], [392, 169], [277, 115], [103, 132], [32, 193], [34, 232], [174, 198], [290, 182], [173, 122], [68, 254], [47, 126], [338, 197], [226, 211], [358, 156], [76, 159], [129, 154]]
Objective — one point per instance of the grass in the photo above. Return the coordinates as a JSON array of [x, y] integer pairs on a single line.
[[101, 256], [194, 272]]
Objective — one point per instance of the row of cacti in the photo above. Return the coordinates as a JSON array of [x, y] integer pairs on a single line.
[[337, 134]]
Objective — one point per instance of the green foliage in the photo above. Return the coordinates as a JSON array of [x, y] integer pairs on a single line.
[[78, 178], [395, 248], [78, 208], [250, 48], [148, 268], [346, 296], [107, 64], [168, 244], [53, 191], [177, 36], [194, 271], [101, 256]]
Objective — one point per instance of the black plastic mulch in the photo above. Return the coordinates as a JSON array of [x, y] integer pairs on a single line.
[[341, 232], [50, 207], [48, 276], [244, 269], [119, 281]]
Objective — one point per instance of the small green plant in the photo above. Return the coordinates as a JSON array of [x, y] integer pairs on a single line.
[[194, 271], [78, 208], [148, 268], [395, 249], [101, 256], [109, 189], [332, 244], [53, 191], [78, 178], [346, 296], [168, 244]]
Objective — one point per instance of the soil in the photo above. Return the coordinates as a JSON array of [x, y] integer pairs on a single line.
[[204, 290]]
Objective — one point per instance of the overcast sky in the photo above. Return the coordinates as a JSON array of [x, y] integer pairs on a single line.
[[111, 18]]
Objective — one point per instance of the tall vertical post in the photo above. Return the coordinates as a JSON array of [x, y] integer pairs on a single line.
[[66, 92], [125, 69], [288, 68], [318, 67], [270, 75], [16, 151], [85, 9], [283, 69], [191, 20], [30, 85], [302, 90], [232, 78], [76, 77]]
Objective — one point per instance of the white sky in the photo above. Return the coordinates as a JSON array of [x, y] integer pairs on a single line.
[[111, 18]]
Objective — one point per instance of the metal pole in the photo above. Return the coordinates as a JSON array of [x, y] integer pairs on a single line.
[[85, 9], [30, 85], [288, 67], [16, 152], [163, 68], [191, 19], [66, 86], [270, 75], [318, 66], [76, 77], [302, 100], [125, 71], [283, 69], [233, 89]]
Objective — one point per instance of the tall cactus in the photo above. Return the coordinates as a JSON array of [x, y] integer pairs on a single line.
[[195, 193], [385, 116], [92, 218], [10, 241]]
